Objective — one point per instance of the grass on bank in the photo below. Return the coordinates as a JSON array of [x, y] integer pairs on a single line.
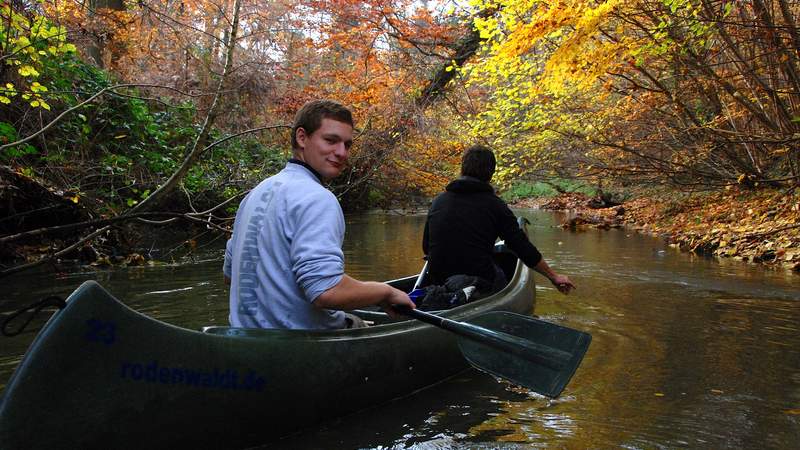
[[525, 189]]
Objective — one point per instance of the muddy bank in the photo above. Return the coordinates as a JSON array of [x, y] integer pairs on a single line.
[[761, 227]]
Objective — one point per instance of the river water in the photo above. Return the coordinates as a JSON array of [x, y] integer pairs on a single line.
[[687, 352]]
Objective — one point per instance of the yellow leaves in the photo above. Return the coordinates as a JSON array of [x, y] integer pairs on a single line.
[[21, 43], [539, 56], [8, 90], [582, 56], [487, 27], [34, 96], [28, 71], [40, 103], [28, 42], [580, 52], [36, 87]]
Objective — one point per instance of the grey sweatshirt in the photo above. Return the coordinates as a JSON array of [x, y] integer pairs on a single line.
[[285, 251]]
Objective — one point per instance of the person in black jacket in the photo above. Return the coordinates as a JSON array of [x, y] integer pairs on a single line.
[[464, 222]]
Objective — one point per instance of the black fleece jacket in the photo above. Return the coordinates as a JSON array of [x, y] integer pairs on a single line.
[[462, 226]]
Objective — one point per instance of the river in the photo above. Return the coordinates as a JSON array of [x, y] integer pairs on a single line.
[[687, 351]]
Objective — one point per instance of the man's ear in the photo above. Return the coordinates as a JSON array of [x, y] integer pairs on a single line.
[[301, 136]]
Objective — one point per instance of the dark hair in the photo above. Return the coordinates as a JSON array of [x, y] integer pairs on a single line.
[[310, 116], [479, 162]]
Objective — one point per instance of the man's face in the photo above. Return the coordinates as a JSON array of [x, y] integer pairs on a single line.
[[325, 150]]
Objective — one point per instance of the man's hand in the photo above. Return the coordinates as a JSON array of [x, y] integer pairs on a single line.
[[562, 283], [396, 297], [352, 294]]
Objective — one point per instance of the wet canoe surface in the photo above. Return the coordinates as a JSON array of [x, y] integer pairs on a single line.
[[101, 375]]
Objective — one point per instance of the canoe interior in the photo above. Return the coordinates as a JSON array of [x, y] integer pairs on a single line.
[[503, 257], [506, 260]]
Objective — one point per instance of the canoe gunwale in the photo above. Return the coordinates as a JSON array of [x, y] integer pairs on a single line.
[[311, 375], [516, 286]]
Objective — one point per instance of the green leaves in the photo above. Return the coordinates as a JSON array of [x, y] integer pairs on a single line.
[[7, 133]]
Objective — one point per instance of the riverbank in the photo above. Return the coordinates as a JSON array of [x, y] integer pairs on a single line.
[[761, 227]]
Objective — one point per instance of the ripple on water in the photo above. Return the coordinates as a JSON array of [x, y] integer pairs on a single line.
[[455, 442], [168, 291], [774, 318], [686, 351]]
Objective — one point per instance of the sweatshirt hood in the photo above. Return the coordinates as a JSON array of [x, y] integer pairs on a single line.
[[469, 185]]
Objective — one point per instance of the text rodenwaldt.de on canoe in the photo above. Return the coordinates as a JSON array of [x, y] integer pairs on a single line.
[[152, 372]]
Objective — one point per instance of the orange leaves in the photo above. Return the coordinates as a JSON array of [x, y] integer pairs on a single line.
[[427, 162], [760, 226]]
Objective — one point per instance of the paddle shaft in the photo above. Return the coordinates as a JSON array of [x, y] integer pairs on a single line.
[[542, 354], [421, 276]]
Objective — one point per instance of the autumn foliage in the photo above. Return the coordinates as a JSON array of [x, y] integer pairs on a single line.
[[696, 95]]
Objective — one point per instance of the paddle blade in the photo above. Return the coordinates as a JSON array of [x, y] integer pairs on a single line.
[[527, 364]]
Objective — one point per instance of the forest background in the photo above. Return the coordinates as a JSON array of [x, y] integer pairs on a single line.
[[118, 116]]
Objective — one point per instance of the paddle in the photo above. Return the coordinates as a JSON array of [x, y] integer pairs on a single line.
[[419, 281], [530, 352]]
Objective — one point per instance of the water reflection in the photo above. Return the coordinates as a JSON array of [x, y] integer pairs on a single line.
[[687, 351]]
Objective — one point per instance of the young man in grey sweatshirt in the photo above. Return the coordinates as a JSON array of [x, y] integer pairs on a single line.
[[284, 261]]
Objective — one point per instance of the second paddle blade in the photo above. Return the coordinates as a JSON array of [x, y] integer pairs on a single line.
[[527, 369]]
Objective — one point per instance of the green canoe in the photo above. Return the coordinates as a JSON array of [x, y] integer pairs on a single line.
[[100, 375]]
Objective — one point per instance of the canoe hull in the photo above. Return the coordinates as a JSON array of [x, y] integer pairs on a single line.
[[103, 375]]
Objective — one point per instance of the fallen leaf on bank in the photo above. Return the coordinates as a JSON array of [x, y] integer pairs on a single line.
[[101, 261], [752, 226]]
